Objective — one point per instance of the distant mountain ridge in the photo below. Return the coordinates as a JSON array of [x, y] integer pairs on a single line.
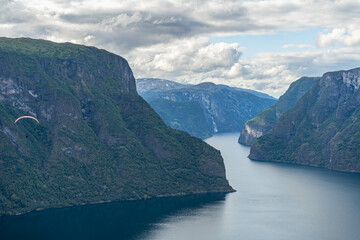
[[149, 87], [256, 93], [263, 122], [322, 129], [203, 109]]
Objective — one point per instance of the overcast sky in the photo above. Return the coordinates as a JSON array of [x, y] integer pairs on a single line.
[[261, 45]]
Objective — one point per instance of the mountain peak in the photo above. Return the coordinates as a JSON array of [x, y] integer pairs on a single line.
[[350, 77], [206, 84]]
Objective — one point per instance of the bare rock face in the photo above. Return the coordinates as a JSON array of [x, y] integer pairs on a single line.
[[263, 122], [97, 140], [322, 129], [252, 131]]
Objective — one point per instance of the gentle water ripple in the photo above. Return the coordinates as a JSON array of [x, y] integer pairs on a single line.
[[273, 201]]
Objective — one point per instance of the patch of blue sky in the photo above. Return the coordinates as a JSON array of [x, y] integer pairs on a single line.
[[273, 42]]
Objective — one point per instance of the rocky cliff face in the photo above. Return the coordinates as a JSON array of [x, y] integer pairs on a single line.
[[97, 139], [252, 131], [322, 129], [263, 122], [217, 108]]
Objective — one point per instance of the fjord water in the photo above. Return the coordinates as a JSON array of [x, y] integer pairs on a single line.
[[273, 201]]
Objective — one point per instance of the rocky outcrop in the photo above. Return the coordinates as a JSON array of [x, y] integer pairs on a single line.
[[322, 129], [97, 140], [252, 131], [263, 122]]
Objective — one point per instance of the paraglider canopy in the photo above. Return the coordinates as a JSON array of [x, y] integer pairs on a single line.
[[31, 117]]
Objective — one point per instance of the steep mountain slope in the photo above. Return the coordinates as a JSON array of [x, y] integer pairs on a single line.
[[185, 116], [322, 129], [206, 108], [265, 120], [225, 110], [97, 139]]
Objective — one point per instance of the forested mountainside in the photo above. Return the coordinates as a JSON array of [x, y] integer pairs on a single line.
[[322, 129], [96, 139], [263, 122]]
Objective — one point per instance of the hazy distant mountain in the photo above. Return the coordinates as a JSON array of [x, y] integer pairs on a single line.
[[256, 93], [206, 108], [97, 140], [265, 120], [322, 129], [150, 87], [186, 116]]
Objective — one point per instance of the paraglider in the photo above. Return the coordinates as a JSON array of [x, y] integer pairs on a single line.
[[31, 117], [26, 117]]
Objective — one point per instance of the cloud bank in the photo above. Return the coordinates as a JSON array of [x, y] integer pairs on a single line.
[[171, 39]]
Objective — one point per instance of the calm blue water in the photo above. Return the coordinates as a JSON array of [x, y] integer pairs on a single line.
[[273, 201]]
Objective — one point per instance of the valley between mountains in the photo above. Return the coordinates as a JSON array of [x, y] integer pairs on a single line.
[[98, 140]]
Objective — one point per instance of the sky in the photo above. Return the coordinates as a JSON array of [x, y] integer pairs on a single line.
[[257, 44]]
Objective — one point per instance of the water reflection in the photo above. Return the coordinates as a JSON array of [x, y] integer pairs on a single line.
[[273, 201], [119, 220]]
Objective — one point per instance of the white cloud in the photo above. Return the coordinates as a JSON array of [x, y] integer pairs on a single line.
[[270, 72], [159, 21], [181, 56], [170, 38], [122, 20], [7, 25], [300, 46], [349, 36], [88, 38]]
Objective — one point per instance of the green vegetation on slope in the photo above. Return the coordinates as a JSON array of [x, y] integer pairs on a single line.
[[97, 139], [322, 129], [202, 109], [175, 114], [263, 122]]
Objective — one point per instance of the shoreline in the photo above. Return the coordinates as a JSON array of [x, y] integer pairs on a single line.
[[125, 200], [304, 165]]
